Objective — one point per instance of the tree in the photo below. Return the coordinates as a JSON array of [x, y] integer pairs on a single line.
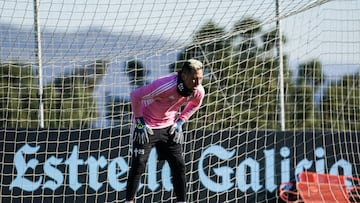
[[341, 104], [118, 109], [270, 39], [72, 106], [310, 73], [209, 45], [18, 96], [257, 68], [242, 84], [136, 72], [309, 81], [247, 29], [212, 46], [69, 101]]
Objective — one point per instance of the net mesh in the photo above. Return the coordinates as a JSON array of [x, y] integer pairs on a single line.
[[93, 53]]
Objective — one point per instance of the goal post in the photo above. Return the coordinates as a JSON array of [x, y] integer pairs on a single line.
[[254, 131]]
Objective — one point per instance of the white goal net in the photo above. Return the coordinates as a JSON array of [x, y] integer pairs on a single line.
[[282, 96]]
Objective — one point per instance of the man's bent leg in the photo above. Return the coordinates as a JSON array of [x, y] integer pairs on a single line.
[[177, 166], [140, 154]]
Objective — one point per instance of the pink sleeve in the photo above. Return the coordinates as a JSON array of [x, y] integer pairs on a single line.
[[193, 105], [136, 99]]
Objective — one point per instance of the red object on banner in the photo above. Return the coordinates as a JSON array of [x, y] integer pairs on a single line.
[[319, 188]]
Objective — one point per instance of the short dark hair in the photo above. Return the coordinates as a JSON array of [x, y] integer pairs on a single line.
[[192, 65]]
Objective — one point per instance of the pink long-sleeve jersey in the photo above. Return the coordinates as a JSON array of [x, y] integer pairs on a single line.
[[159, 102]]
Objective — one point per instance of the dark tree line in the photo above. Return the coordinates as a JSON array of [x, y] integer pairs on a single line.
[[68, 100]]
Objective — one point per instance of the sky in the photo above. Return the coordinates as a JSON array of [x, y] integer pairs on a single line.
[[329, 31]]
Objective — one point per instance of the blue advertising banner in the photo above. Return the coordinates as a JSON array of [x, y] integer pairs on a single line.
[[224, 166]]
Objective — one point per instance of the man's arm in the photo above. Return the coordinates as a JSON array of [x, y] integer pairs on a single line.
[[136, 100], [141, 130], [193, 105]]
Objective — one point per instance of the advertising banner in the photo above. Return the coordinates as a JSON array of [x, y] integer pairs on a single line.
[[224, 166]]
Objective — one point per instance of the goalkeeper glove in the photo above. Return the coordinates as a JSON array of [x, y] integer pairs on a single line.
[[176, 129], [141, 131]]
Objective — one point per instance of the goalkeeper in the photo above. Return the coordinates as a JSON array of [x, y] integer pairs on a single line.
[[157, 123]]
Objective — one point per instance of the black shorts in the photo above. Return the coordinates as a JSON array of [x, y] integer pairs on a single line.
[[163, 142]]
